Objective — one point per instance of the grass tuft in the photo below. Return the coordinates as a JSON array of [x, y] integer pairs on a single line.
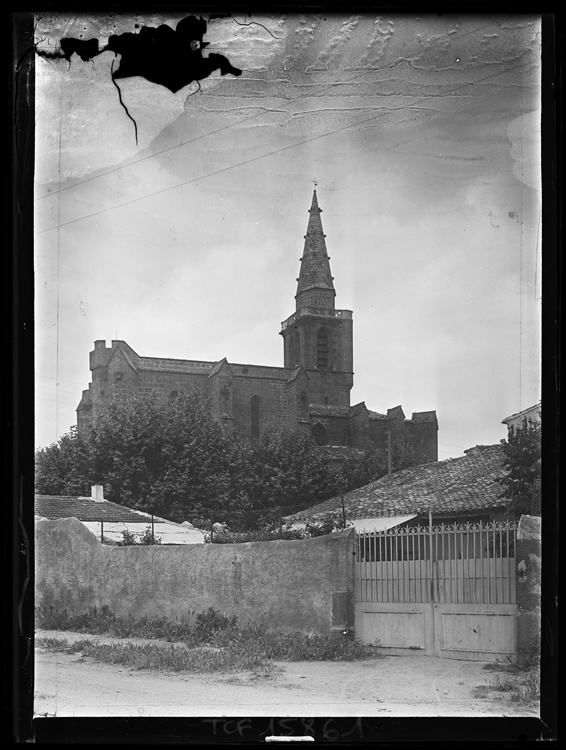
[[162, 657], [248, 645], [520, 679]]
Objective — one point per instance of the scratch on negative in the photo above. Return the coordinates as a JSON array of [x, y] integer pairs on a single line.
[[121, 102], [255, 23], [193, 92]]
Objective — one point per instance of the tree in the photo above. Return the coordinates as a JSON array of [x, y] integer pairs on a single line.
[[282, 469], [522, 460], [175, 459], [357, 472], [167, 457], [62, 467]]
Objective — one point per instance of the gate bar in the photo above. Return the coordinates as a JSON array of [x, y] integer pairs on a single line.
[[431, 561]]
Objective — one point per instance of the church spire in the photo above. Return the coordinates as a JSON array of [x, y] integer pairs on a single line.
[[315, 286]]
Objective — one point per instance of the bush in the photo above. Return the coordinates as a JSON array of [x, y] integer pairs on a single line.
[[269, 534], [211, 622], [147, 538]]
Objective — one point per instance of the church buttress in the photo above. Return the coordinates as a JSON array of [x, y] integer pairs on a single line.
[[311, 392]]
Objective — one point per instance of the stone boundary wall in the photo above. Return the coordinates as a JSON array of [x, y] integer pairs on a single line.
[[528, 557], [305, 585]]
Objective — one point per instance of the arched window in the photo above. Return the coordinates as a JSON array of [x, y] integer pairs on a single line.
[[291, 351], [173, 395], [255, 403], [322, 349], [319, 434], [297, 349]]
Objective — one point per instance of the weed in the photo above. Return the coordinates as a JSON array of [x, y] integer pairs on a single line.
[[161, 656], [481, 691], [213, 629], [211, 622], [291, 646], [130, 539], [519, 678], [103, 621]]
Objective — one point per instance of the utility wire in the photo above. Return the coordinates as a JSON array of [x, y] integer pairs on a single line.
[[285, 148], [260, 114], [61, 380]]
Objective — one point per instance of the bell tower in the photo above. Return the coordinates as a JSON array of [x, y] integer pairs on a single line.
[[317, 335]]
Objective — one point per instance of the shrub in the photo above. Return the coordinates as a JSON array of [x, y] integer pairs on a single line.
[[211, 622], [147, 538], [271, 534]]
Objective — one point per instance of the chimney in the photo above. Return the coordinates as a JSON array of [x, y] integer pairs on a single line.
[[97, 493]]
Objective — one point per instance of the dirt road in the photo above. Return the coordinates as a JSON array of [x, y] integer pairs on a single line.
[[72, 685]]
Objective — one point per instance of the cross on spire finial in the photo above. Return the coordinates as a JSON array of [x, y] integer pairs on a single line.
[[315, 182]]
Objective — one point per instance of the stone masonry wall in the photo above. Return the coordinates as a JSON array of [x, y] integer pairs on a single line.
[[305, 585], [528, 556], [273, 403], [424, 440], [164, 383]]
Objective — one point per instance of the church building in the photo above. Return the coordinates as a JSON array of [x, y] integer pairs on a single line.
[[310, 392]]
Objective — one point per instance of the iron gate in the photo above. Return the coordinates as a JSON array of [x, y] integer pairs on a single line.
[[447, 590]]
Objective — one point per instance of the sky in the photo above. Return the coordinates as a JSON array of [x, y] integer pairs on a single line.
[[423, 135]]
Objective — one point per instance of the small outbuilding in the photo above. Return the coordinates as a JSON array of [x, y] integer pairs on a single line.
[[108, 520]]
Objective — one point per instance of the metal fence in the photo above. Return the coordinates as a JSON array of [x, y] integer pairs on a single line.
[[454, 564]]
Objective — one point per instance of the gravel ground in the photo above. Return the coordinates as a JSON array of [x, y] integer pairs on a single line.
[[72, 685]]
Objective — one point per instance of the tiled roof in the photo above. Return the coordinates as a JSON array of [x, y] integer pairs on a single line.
[[296, 372], [126, 356], [454, 486], [218, 366], [321, 410], [524, 413], [353, 411], [396, 412], [85, 509]]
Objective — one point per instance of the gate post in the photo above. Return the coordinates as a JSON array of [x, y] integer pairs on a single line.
[[528, 556]]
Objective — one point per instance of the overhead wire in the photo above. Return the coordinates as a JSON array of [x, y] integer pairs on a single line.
[[260, 114], [271, 153], [283, 149]]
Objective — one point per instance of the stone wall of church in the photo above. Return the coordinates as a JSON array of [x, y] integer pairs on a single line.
[[123, 380], [273, 401], [358, 430], [167, 383], [329, 388], [424, 440], [336, 429], [378, 432], [340, 354], [317, 298]]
